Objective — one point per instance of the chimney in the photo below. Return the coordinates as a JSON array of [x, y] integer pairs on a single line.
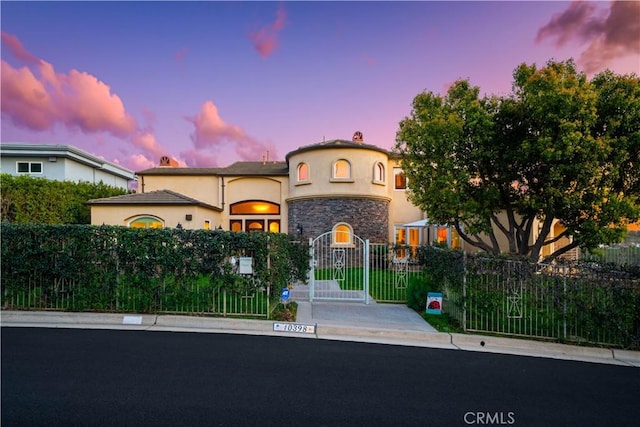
[[357, 137], [167, 161]]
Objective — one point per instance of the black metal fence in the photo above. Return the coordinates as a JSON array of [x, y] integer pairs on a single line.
[[117, 269], [579, 302]]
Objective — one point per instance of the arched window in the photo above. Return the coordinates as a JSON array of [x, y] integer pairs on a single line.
[[378, 173], [342, 233], [146, 222], [255, 207], [255, 225], [303, 172], [341, 169]]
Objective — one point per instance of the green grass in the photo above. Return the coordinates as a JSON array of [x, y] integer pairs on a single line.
[[383, 284], [443, 322]]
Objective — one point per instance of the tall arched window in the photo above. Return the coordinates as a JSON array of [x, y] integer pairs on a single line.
[[303, 172], [378, 173], [342, 169], [342, 234]]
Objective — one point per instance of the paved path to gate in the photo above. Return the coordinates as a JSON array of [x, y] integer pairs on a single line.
[[373, 315]]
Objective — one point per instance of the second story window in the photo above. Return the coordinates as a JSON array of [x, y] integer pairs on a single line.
[[342, 169], [400, 179], [378, 173], [303, 172]]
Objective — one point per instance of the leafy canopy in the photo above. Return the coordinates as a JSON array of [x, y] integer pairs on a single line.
[[505, 171]]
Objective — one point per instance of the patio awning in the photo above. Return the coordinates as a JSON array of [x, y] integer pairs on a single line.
[[420, 223]]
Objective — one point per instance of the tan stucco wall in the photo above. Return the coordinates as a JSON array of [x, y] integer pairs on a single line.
[[170, 215], [361, 184], [271, 189], [321, 162], [401, 210], [203, 188], [224, 191]]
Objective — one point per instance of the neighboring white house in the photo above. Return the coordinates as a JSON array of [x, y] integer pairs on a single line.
[[62, 163]]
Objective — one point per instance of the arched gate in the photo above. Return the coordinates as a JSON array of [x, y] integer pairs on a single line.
[[339, 267]]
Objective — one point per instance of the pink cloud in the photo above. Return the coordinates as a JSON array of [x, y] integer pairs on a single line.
[[17, 49], [199, 159], [138, 162], [212, 134], [575, 21], [608, 36], [265, 40], [148, 144], [36, 97], [251, 149], [77, 99], [25, 99], [211, 130]]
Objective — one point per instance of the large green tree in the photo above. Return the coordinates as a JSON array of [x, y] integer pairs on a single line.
[[35, 200], [559, 147]]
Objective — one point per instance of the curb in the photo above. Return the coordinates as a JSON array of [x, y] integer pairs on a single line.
[[493, 344], [65, 319], [453, 341], [628, 356], [208, 323], [386, 336]]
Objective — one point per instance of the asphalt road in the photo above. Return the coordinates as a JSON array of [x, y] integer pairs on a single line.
[[74, 377]]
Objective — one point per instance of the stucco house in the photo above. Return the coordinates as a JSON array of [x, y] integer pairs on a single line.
[[339, 185], [62, 163], [336, 185]]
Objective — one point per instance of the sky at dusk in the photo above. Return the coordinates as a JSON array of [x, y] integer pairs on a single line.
[[209, 83]]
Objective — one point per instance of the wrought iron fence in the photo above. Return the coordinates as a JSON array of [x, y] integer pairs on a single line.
[[161, 295], [623, 254], [392, 268], [572, 302]]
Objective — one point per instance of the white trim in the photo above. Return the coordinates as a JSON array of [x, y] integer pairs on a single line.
[[29, 166]]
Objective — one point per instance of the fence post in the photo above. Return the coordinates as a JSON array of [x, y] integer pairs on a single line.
[[366, 271], [270, 277], [311, 271], [464, 290], [564, 300]]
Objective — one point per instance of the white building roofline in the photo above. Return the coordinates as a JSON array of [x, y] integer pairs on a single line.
[[65, 151]]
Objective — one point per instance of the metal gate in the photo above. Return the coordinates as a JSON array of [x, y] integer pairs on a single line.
[[339, 267]]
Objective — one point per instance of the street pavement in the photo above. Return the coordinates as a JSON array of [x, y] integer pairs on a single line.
[[97, 377], [393, 324]]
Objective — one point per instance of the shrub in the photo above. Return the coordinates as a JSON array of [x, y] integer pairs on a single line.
[[417, 290]]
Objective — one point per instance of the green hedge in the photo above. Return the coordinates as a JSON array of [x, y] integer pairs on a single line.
[[99, 264], [29, 200]]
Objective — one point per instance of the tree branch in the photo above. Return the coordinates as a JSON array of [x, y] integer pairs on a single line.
[[479, 243]]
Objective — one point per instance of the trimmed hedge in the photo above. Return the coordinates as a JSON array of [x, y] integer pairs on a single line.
[[98, 260]]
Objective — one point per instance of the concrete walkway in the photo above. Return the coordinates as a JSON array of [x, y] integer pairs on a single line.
[[393, 324]]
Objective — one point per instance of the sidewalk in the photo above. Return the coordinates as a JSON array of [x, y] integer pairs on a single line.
[[375, 323]]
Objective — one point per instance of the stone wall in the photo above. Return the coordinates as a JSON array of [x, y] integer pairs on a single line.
[[369, 218]]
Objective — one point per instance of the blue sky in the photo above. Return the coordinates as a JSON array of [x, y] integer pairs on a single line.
[[209, 83]]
